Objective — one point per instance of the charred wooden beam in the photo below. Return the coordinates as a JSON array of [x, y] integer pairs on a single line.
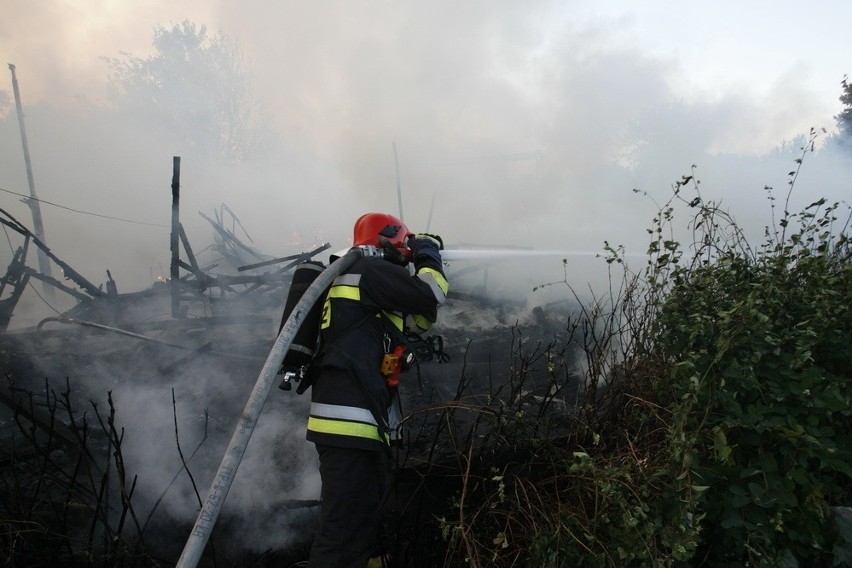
[[15, 270], [7, 306], [173, 237], [302, 258], [229, 236], [17, 277], [281, 259], [189, 254], [127, 333], [299, 259], [235, 219], [202, 280], [70, 273], [268, 262], [111, 329], [57, 284], [205, 281]]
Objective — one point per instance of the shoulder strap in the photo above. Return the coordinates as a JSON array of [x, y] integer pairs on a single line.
[[313, 368], [333, 338]]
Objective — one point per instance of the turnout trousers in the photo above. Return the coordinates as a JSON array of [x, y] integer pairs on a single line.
[[354, 484]]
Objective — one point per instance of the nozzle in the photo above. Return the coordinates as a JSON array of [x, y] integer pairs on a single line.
[[370, 250], [388, 252]]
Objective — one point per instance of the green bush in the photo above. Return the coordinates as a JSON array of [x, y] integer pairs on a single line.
[[716, 420], [760, 350]]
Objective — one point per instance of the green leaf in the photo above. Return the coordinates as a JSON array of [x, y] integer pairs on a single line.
[[731, 520], [740, 501], [786, 559]]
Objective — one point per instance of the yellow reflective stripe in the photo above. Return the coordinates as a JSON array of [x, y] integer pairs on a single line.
[[345, 292], [422, 322], [439, 278], [394, 318], [326, 314], [339, 292], [343, 428], [436, 281]]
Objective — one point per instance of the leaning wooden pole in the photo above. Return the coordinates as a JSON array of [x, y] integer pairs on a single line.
[[38, 225], [398, 182], [174, 238]]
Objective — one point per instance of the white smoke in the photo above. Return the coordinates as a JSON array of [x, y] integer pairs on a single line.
[[522, 125]]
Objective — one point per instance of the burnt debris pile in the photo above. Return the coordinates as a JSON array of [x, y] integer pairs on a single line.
[[185, 350], [116, 412]]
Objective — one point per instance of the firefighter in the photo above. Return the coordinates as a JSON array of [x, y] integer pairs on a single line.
[[354, 404]]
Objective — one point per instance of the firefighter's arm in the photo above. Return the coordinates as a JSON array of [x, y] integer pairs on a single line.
[[391, 287], [426, 253]]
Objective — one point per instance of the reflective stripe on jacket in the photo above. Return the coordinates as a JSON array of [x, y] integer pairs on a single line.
[[343, 421]]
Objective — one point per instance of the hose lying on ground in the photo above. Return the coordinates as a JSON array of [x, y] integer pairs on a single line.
[[234, 454]]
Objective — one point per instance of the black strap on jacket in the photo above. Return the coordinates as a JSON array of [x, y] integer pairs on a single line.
[[369, 399]]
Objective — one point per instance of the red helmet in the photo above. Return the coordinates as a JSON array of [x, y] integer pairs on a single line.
[[376, 229]]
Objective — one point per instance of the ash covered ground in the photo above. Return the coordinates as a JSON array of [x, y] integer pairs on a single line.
[[175, 404]]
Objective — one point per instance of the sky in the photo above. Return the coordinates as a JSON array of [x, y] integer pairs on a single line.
[[515, 124]]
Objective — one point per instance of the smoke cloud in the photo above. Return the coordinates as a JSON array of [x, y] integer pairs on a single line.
[[511, 124]]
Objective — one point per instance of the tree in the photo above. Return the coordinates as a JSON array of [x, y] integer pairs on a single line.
[[844, 119], [197, 85]]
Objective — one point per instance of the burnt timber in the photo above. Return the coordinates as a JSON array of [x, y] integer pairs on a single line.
[[223, 312]]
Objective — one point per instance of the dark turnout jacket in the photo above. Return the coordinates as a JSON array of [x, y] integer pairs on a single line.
[[366, 311]]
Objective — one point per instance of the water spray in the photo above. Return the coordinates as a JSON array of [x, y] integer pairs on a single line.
[[449, 255]]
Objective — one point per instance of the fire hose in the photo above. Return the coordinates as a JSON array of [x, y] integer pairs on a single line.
[[248, 420]]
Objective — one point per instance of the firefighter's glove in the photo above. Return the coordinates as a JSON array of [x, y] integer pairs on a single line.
[[424, 245]]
